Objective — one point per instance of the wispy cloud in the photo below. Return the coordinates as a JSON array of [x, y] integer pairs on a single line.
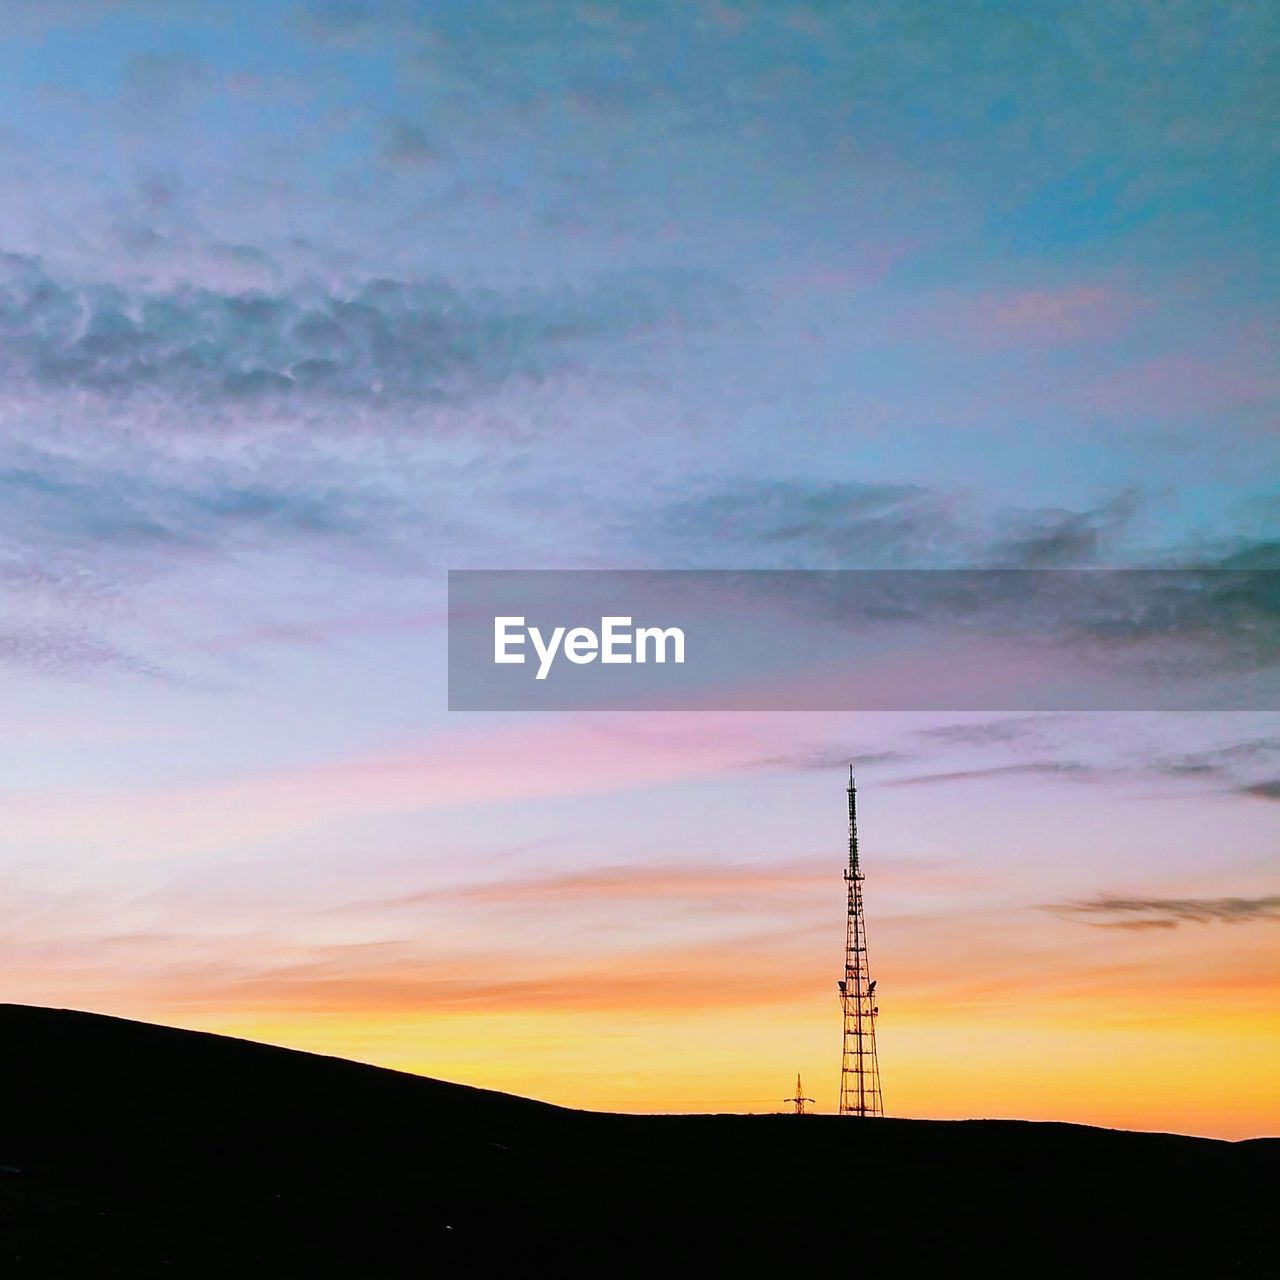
[[1269, 790], [821, 524], [407, 145], [75, 501], [823, 759], [669, 881], [1053, 538], [1007, 729], [790, 524], [401, 976], [1030, 768], [74, 653], [1168, 913]]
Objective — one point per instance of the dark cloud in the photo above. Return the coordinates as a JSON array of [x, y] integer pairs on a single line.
[[1208, 614], [845, 525], [381, 340], [1189, 602], [1059, 538], [1252, 555], [1029, 736], [990, 733], [1031, 768], [118, 493], [1219, 760], [154, 86], [407, 145], [822, 759], [45, 498], [803, 525], [1167, 913], [157, 192]]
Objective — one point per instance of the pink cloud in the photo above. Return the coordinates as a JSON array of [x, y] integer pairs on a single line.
[[469, 763], [1027, 317], [722, 886], [1179, 382], [866, 265]]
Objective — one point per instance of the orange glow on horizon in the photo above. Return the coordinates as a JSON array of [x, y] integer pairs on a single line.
[[673, 1034]]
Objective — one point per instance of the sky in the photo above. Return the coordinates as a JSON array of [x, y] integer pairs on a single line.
[[303, 305]]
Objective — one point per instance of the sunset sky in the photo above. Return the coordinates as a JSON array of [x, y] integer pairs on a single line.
[[302, 309]]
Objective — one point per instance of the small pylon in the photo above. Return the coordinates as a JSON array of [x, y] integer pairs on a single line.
[[799, 1100]]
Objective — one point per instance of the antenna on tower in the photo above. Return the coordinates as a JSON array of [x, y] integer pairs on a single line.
[[859, 1065], [799, 1100]]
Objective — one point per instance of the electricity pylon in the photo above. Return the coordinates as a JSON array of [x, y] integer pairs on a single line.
[[799, 1100]]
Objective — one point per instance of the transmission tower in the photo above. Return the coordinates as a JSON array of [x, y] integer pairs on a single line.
[[799, 1100], [859, 1066]]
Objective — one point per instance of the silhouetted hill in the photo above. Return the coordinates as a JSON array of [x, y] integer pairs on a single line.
[[136, 1150]]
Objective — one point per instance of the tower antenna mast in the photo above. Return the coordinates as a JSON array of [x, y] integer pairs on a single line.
[[859, 1066]]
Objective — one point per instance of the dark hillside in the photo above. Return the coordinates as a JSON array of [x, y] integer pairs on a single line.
[[136, 1150]]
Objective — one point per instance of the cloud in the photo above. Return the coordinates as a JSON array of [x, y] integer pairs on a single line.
[[71, 653], [404, 976], [182, 427], [714, 891], [1168, 913], [1214, 761], [807, 525], [770, 72], [1023, 579], [1032, 768], [1029, 320], [1264, 554], [1049, 745], [1269, 790], [1062, 315], [407, 145], [824, 759], [443, 770], [727, 884], [1053, 538], [156, 86], [85, 533], [990, 733], [381, 341], [72, 501], [824, 524]]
